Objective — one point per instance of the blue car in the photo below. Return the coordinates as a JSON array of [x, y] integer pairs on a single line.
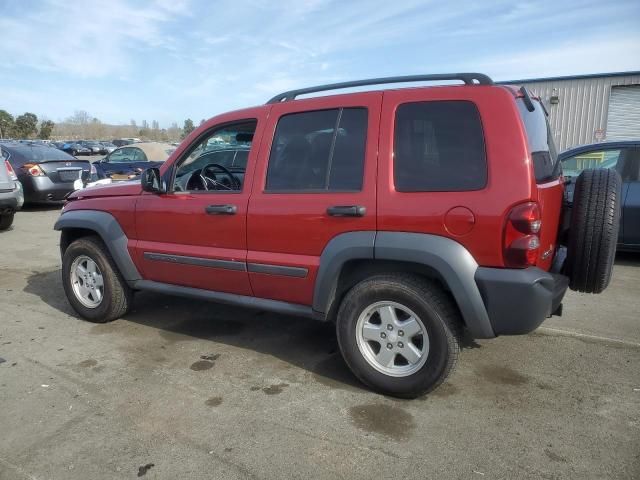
[[624, 157], [128, 162]]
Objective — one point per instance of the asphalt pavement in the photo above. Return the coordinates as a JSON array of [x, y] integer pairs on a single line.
[[182, 389]]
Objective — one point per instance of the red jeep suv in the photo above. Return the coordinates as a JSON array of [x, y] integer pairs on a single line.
[[405, 216]]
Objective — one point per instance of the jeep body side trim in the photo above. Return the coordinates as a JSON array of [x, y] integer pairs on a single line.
[[452, 261], [229, 298], [202, 262], [108, 228], [268, 269], [282, 270], [447, 257], [341, 249]]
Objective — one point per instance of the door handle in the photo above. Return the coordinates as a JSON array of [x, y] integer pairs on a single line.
[[221, 209], [347, 211]]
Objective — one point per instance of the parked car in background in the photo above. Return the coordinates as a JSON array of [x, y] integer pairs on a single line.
[[73, 148], [624, 158], [120, 142], [46, 174], [11, 194], [95, 147], [128, 162], [108, 147]]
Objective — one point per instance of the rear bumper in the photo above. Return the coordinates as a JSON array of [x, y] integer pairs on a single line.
[[12, 200], [43, 190], [518, 301]]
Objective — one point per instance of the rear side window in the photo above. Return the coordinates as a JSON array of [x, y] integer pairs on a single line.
[[541, 144], [439, 147], [319, 150]]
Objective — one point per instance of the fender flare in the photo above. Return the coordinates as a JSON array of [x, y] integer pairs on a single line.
[[109, 230], [448, 258]]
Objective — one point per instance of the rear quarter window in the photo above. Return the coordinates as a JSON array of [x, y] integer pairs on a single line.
[[541, 144], [438, 147]]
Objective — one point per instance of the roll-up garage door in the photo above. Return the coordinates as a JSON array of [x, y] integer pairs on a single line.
[[623, 121]]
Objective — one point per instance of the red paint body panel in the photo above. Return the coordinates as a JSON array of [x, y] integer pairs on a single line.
[[176, 223], [550, 198], [281, 224], [510, 175]]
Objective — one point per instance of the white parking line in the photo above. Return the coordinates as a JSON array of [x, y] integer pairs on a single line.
[[569, 333]]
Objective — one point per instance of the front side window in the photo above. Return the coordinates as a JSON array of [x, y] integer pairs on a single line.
[[439, 147], [139, 155], [123, 155], [217, 162], [319, 151]]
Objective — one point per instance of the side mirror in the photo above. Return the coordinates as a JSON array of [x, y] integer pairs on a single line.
[[151, 181]]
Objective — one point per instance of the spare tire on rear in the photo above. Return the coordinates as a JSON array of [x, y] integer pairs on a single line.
[[595, 220]]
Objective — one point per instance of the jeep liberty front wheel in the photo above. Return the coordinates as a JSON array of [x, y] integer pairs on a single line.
[[399, 334], [92, 282]]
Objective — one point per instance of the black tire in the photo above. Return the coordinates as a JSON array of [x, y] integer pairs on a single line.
[[117, 296], [6, 220], [436, 310], [593, 235]]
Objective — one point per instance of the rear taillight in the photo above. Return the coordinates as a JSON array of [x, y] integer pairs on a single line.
[[33, 169], [521, 241], [12, 174]]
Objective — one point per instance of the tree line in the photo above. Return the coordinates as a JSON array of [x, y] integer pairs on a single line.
[[82, 125]]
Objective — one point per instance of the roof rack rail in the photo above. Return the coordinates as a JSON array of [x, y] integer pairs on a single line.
[[467, 78]]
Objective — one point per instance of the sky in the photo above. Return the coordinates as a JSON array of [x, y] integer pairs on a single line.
[[168, 60]]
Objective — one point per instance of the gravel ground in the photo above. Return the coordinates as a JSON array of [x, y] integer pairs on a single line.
[[185, 389]]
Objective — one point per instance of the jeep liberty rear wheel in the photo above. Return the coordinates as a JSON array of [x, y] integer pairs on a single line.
[[93, 285], [399, 334], [593, 235]]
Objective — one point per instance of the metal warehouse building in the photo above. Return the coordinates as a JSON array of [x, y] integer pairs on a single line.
[[590, 108]]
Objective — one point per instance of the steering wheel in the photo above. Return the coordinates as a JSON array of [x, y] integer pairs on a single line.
[[212, 183]]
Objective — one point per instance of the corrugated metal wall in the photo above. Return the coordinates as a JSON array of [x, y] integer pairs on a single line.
[[580, 117], [623, 121]]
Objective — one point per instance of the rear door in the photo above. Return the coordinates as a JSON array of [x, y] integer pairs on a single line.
[[316, 155]]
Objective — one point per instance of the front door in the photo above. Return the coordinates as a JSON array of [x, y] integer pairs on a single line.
[[195, 235], [315, 180]]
